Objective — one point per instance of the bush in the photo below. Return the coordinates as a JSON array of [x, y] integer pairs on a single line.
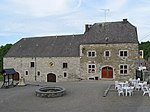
[[1, 77]]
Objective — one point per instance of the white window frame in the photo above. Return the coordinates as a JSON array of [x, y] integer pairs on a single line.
[[105, 53], [91, 51], [123, 69], [91, 69], [123, 53]]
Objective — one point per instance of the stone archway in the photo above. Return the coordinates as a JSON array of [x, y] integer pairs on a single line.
[[107, 72], [51, 77]]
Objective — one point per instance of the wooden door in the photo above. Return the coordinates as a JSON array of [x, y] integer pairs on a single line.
[[107, 72], [16, 76], [51, 77]]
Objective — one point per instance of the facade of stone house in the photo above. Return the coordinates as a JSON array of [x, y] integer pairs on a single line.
[[105, 51]]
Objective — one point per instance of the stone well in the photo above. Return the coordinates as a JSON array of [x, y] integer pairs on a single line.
[[50, 92]]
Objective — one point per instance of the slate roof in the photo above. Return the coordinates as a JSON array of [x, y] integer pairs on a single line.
[[68, 45]]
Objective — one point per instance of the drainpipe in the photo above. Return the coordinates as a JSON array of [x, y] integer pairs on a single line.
[[35, 69]]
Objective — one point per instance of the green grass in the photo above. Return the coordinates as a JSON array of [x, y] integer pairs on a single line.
[[1, 77]]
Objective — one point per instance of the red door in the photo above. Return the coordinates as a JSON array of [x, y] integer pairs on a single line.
[[107, 72]]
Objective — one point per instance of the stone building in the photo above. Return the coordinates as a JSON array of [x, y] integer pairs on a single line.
[[106, 50]]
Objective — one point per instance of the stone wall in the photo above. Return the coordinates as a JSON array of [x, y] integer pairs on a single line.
[[113, 61], [45, 65]]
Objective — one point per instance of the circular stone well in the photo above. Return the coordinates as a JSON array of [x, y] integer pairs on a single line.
[[50, 92]]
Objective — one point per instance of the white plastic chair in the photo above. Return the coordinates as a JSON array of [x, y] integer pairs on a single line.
[[137, 87], [146, 90], [144, 83], [120, 91], [130, 91], [138, 80]]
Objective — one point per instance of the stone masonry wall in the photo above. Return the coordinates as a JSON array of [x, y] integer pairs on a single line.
[[113, 61], [45, 65]]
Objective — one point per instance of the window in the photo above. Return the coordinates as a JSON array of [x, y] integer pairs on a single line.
[[65, 65], [38, 73], [32, 64], [27, 73], [91, 54], [123, 69], [91, 68], [123, 53], [65, 74], [107, 53]]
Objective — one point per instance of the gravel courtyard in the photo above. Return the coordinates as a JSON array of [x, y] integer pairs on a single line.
[[82, 96]]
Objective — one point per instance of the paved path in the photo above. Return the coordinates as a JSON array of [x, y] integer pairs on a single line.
[[84, 96]]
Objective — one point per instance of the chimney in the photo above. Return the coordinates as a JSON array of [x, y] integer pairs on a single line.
[[125, 21], [87, 27]]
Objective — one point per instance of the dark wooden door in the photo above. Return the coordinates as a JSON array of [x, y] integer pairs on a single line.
[[107, 72], [51, 77], [16, 76]]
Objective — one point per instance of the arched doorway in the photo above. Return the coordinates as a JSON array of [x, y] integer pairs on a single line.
[[16, 76], [107, 72], [51, 77]]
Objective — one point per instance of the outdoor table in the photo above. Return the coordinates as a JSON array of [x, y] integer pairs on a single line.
[[126, 88], [140, 84], [134, 82], [122, 84]]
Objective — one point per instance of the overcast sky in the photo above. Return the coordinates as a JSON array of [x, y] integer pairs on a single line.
[[28, 18]]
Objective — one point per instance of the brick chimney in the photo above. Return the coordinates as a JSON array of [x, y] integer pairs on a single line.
[[125, 21], [87, 27]]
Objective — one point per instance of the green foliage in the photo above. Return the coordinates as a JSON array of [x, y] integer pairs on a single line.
[[1, 77], [3, 51], [146, 47]]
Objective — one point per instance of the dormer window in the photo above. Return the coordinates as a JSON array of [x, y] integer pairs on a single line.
[[91, 53]]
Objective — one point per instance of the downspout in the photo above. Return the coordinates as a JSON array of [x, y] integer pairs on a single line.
[[35, 70]]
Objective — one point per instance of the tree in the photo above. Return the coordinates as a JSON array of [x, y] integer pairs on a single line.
[[3, 51], [145, 46]]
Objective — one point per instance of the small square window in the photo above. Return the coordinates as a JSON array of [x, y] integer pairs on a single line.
[[125, 66], [123, 69], [91, 68], [65, 65], [107, 53], [65, 74], [32, 64], [38, 73], [123, 53], [91, 54], [27, 73], [121, 66]]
